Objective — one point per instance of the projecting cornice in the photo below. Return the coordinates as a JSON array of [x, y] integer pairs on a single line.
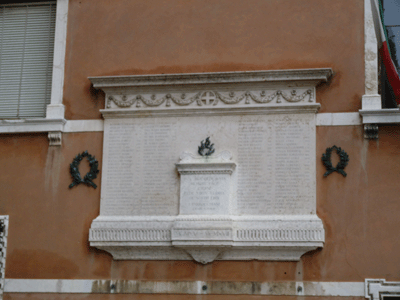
[[277, 91], [315, 76]]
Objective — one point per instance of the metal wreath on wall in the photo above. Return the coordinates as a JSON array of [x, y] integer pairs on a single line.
[[326, 160], [76, 175]]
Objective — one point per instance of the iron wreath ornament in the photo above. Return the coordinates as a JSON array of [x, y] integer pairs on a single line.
[[326, 160], [76, 175]]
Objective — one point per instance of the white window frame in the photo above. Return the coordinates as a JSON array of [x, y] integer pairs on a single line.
[[54, 121], [378, 289], [372, 112]]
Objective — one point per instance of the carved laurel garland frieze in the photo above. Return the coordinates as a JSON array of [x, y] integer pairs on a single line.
[[153, 101], [211, 98]]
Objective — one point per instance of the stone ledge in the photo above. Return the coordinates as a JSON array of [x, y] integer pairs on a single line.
[[97, 286], [263, 238], [380, 116], [32, 125], [313, 75], [214, 111]]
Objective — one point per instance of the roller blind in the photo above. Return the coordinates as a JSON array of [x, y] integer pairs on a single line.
[[26, 58]]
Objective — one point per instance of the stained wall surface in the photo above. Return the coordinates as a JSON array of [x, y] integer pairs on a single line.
[[127, 37], [49, 223]]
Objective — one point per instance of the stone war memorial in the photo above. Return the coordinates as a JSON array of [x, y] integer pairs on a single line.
[[209, 166], [199, 150]]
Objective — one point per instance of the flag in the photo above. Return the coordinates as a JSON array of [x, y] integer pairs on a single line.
[[383, 47]]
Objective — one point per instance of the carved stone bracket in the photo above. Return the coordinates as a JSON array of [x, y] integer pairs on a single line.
[[55, 138], [371, 131], [373, 115]]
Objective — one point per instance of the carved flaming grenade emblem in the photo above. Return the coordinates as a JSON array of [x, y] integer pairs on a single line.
[[206, 148]]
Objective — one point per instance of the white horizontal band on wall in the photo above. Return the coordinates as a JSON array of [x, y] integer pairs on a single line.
[[84, 126], [324, 119], [84, 286], [67, 126], [338, 119]]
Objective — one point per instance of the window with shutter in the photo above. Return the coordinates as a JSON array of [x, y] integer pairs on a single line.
[[26, 58], [391, 13]]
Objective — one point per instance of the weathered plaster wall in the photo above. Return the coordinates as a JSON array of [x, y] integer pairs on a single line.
[[128, 37], [49, 223], [360, 211]]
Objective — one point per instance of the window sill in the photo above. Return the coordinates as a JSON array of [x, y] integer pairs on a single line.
[[32, 125], [380, 116]]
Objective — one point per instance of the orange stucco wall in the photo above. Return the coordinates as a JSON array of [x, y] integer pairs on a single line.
[[49, 223], [125, 37]]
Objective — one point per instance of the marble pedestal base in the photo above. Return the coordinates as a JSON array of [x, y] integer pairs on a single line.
[[273, 237]]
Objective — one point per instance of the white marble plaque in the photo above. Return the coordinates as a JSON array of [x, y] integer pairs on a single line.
[[118, 193], [147, 184], [258, 202], [274, 155], [204, 194]]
